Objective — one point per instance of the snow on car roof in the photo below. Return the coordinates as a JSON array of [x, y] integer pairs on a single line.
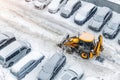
[[10, 48], [87, 7], [115, 18], [54, 4], [103, 11], [31, 56], [70, 4]]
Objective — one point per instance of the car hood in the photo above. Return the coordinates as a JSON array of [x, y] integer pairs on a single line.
[[44, 75], [66, 11], [79, 17], [2, 37], [95, 24]]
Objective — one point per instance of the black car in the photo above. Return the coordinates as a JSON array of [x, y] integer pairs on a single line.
[[112, 28], [6, 38], [52, 67], [70, 8]]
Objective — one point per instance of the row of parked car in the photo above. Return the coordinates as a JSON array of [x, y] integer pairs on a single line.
[[17, 56], [99, 16]]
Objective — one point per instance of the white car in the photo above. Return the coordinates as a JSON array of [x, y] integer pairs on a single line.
[[41, 4], [70, 8], [26, 65], [85, 13], [55, 5], [73, 73]]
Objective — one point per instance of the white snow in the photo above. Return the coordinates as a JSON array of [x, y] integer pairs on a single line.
[[44, 30]]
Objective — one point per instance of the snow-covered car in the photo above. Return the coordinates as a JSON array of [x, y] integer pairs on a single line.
[[6, 38], [13, 53], [85, 13], [102, 15], [26, 65], [112, 27], [41, 4], [73, 73], [56, 5], [91, 78], [52, 67], [70, 8]]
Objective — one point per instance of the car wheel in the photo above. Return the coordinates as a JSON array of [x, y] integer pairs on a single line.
[[11, 64], [28, 51]]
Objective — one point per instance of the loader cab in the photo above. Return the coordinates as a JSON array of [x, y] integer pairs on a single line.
[[87, 40]]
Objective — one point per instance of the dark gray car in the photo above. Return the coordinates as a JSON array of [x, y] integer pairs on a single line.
[[112, 27], [70, 8], [52, 67], [102, 15], [6, 38]]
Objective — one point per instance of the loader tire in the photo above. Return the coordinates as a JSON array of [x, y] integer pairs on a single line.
[[85, 55]]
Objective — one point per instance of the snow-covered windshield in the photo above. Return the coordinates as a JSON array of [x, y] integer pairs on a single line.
[[98, 18]]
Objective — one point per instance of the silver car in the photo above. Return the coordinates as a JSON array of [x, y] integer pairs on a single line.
[[85, 13], [13, 52], [73, 73], [112, 27], [55, 5], [102, 15], [70, 8], [6, 38], [52, 67], [26, 65], [41, 4]]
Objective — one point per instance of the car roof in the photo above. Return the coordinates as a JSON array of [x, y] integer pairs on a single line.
[[115, 18], [29, 57], [53, 61], [103, 11], [87, 7], [10, 48], [70, 4]]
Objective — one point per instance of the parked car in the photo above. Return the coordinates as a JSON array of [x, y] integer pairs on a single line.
[[85, 13], [52, 67], [6, 38], [112, 27], [70, 8], [102, 15], [72, 73], [26, 65], [55, 5], [13, 52], [119, 38], [41, 4]]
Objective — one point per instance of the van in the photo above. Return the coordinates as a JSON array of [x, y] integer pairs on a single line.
[[26, 65], [13, 52]]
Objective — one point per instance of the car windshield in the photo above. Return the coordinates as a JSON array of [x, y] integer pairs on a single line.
[[98, 18], [112, 25]]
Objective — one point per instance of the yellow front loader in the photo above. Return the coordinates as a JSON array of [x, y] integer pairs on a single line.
[[84, 44]]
